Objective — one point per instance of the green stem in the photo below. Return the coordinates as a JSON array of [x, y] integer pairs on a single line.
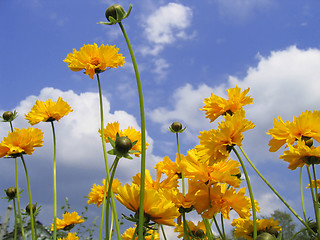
[[302, 198], [113, 205], [30, 199], [163, 232], [15, 219], [143, 133], [250, 193], [222, 226], [218, 228], [54, 184], [179, 155], [208, 228], [186, 230], [275, 192], [315, 196]]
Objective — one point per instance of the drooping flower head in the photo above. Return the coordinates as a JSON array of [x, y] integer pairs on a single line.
[[94, 59], [68, 221], [21, 141], [97, 192], [244, 227], [48, 111], [157, 207], [216, 106], [70, 236], [112, 129], [149, 235]]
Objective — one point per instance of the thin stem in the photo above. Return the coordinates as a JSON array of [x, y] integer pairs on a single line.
[[316, 201], [30, 199], [218, 228], [250, 193], [222, 226], [278, 195], [179, 156], [302, 198], [54, 184], [208, 228], [107, 172], [143, 133], [186, 230], [163, 232], [15, 219]]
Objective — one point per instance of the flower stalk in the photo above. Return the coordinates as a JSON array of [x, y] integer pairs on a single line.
[[54, 183]]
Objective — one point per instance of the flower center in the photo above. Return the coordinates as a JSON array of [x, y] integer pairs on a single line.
[[94, 61]]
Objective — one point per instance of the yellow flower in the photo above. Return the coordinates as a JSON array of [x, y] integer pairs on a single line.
[[313, 184], [244, 227], [94, 59], [301, 154], [196, 231], [68, 221], [216, 106], [21, 141], [156, 207], [306, 125], [220, 199], [215, 145], [48, 111], [221, 172], [71, 236], [112, 129], [169, 167], [97, 192], [128, 234]]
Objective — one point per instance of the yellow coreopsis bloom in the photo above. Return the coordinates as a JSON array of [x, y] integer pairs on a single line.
[[70, 236], [313, 184], [169, 167], [157, 208], [216, 106], [194, 231], [48, 111], [244, 227], [301, 154], [21, 141], [151, 235], [220, 199], [97, 192], [221, 172], [305, 126], [215, 145], [68, 221], [112, 129], [94, 59]]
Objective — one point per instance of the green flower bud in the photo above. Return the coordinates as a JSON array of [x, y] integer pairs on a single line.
[[34, 208], [7, 115], [265, 236], [11, 192], [115, 11], [123, 144], [176, 126], [199, 233]]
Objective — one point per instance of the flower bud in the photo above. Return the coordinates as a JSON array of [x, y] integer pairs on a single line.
[[115, 11], [265, 236], [34, 208], [199, 233], [11, 192], [7, 115], [176, 126], [123, 144]]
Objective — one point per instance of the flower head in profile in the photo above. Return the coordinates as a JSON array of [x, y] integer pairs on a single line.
[[215, 144], [68, 221], [194, 231], [70, 236], [94, 59], [157, 207], [48, 111], [21, 141], [149, 235], [244, 227], [112, 129], [301, 154], [97, 192], [216, 106]]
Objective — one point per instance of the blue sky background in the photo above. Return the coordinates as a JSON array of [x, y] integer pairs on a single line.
[[185, 51]]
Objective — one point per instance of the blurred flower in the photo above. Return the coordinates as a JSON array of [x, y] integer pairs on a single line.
[[306, 125], [156, 207], [70, 236], [196, 231], [68, 221], [313, 184], [221, 172], [150, 235], [244, 227], [112, 129], [221, 199], [215, 145], [301, 154], [216, 106], [94, 59], [97, 192], [48, 111], [21, 141]]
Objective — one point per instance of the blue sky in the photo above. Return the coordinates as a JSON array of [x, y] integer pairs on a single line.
[[185, 50]]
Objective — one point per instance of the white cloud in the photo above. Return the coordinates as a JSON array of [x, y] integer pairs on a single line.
[[161, 66]]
